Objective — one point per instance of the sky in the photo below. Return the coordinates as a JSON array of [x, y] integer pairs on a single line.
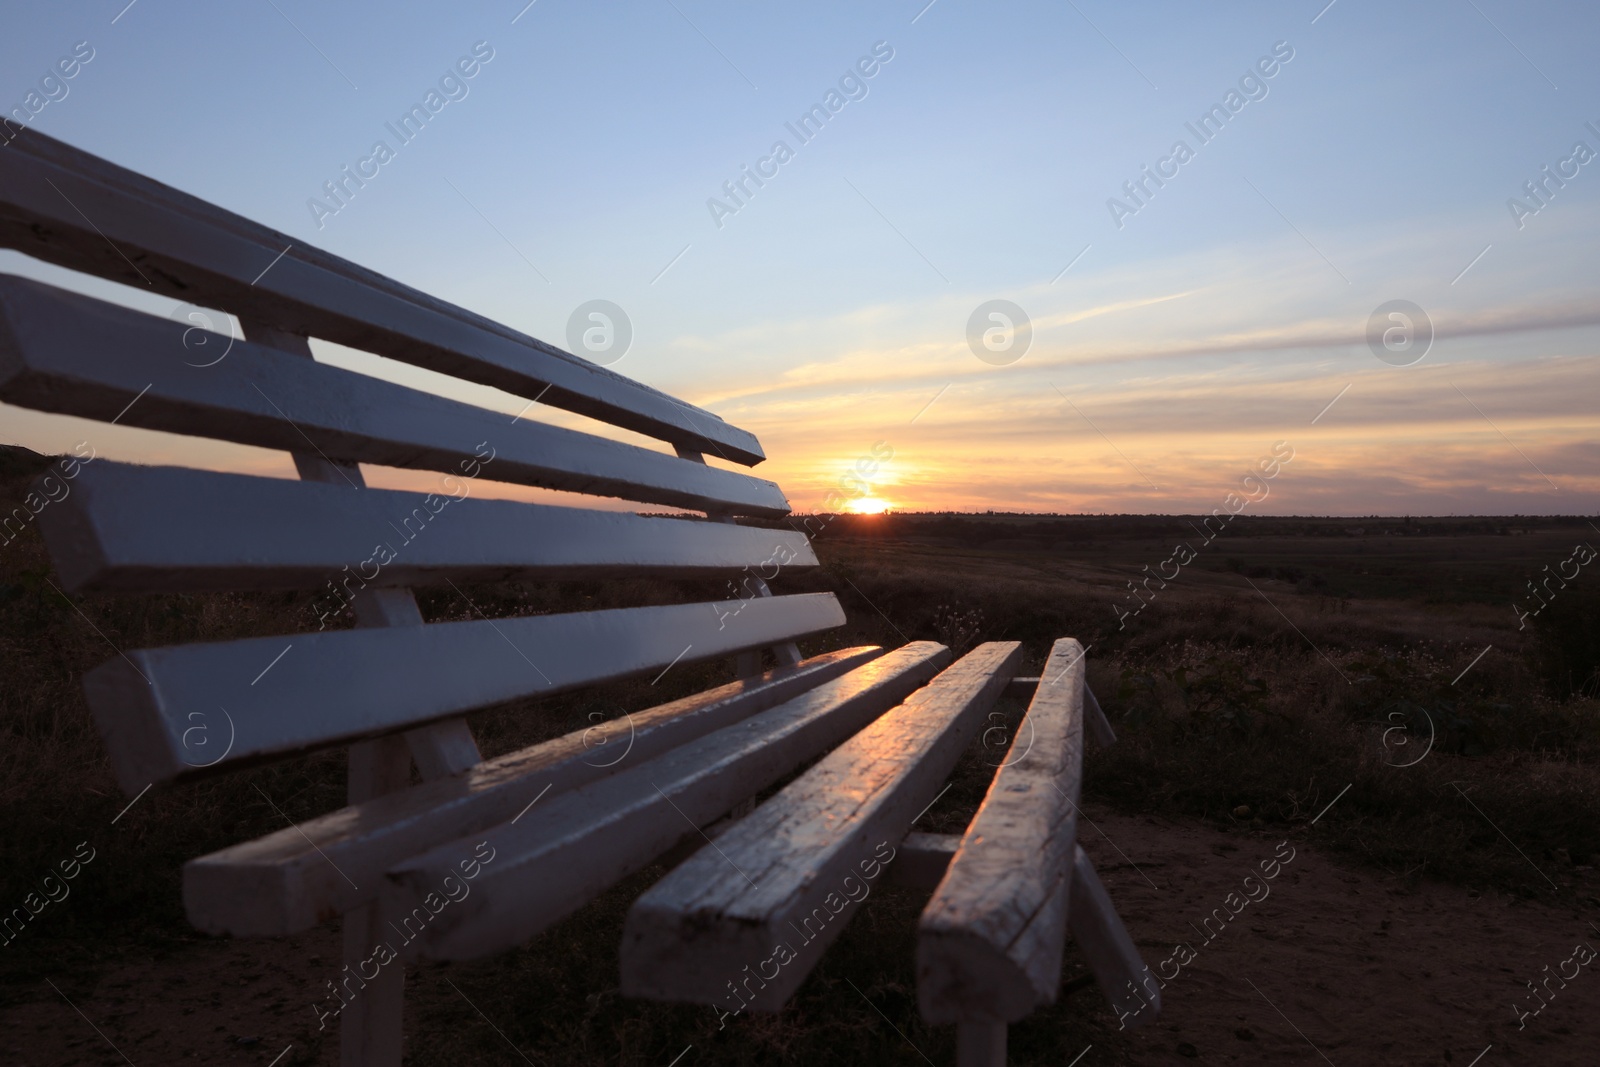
[[1173, 332]]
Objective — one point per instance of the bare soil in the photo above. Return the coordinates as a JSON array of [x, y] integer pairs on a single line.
[[1337, 964]]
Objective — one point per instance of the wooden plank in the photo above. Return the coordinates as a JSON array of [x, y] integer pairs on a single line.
[[1109, 950], [75, 355], [779, 882], [600, 833], [288, 881], [170, 529], [989, 942], [1092, 919], [438, 748], [151, 236], [292, 694]]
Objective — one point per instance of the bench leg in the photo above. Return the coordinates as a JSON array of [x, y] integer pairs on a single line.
[[1109, 951], [981, 1044], [370, 1027], [1095, 723], [747, 664]]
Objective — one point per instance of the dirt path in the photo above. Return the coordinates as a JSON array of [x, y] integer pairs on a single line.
[[1332, 964]]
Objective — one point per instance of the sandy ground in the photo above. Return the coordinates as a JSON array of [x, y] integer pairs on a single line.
[[1335, 964], [1338, 964]]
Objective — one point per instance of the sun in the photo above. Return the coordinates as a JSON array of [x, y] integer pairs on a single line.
[[869, 505]]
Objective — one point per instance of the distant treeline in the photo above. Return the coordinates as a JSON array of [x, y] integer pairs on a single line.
[[970, 529]]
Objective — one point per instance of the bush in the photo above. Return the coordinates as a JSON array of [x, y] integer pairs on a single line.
[[1567, 632]]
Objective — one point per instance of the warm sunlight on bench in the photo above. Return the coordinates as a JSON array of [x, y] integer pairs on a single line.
[[485, 854]]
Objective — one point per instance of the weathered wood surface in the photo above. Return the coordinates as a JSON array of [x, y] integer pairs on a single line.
[[598, 834], [74, 355], [779, 882], [281, 695], [989, 942], [1108, 949], [171, 529], [290, 880], [155, 238], [1092, 919]]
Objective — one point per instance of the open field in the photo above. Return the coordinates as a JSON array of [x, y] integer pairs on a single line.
[[1358, 689]]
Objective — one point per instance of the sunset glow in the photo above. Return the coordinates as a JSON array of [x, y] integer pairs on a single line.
[[1165, 337]]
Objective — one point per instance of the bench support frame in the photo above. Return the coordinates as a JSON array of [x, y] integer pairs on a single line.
[[372, 1025]]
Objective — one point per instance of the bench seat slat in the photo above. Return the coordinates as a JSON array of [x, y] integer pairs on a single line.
[[75, 355], [190, 250], [783, 882], [288, 881], [989, 942], [603, 832], [281, 695], [171, 529]]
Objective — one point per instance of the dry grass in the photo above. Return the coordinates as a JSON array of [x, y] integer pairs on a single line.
[[1219, 701]]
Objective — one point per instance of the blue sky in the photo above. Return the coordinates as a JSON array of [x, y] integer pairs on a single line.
[[825, 314]]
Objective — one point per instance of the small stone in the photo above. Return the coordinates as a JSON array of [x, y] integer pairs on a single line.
[[247, 1042], [1186, 1049], [1244, 1033], [1242, 811]]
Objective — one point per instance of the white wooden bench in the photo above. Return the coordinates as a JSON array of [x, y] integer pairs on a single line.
[[484, 854]]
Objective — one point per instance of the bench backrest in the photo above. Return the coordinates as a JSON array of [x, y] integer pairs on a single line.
[[167, 529]]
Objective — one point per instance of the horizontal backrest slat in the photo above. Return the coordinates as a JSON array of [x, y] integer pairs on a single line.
[[170, 712], [75, 355], [74, 209], [171, 529]]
